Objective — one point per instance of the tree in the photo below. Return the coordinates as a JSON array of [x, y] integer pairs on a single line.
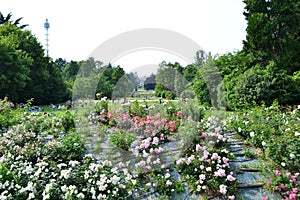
[[36, 74], [134, 78], [117, 73], [207, 84], [124, 88], [70, 70], [190, 72], [14, 69], [166, 74], [55, 88], [180, 83], [200, 58], [273, 32], [7, 19], [93, 77], [60, 63]]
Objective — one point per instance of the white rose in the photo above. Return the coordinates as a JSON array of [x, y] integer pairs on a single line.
[[292, 156]]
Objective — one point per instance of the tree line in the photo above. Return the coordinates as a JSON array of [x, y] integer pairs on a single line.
[[266, 69], [26, 72]]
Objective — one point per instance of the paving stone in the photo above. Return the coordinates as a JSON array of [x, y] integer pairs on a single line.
[[242, 159], [249, 177], [257, 194], [236, 150]]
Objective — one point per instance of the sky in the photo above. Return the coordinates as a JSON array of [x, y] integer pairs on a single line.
[[77, 28]]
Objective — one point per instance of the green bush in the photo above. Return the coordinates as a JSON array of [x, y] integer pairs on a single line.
[[274, 131], [8, 116], [170, 95], [121, 139], [68, 121], [70, 147], [135, 109], [102, 105]]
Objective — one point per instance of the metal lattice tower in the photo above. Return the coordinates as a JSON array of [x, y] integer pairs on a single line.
[[47, 26]]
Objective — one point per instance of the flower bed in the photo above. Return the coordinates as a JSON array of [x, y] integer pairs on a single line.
[[277, 133], [36, 166]]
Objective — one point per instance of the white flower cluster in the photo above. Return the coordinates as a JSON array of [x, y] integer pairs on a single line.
[[38, 176]]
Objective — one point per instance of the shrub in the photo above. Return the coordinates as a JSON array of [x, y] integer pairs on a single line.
[[121, 139]]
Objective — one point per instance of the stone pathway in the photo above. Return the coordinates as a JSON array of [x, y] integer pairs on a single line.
[[247, 172], [245, 169]]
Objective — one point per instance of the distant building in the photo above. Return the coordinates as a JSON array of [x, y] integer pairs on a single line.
[[150, 82]]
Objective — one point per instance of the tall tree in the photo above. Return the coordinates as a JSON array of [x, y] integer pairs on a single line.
[[70, 70], [8, 19], [190, 72], [14, 68], [273, 32], [38, 73]]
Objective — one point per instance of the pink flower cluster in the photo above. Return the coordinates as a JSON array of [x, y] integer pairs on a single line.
[[285, 183], [149, 153], [153, 125]]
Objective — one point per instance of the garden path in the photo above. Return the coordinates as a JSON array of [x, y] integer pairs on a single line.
[[246, 170]]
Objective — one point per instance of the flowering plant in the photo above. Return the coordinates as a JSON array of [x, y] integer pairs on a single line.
[[34, 168], [135, 109], [286, 183], [205, 165], [165, 183], [208, 172], [263, 127], [121, 139]]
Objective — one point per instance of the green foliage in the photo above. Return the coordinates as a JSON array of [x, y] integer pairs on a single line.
[[202, 175], [258, 85], [206, 83], [101, 105], [190, 72], [92, 77], [170, 80], [70, 70], [267, 67], [167, 185], [124, 87], [192, 109], [73, 147], [284, 182], [5, 174], [15, 63], [159, 90], [121, 139], [188, 93], [135, 109], [9, 115], [169, 95], [273, 32], [201, 91], [55, 169], [273, 130], [70, 147], [68, 122], [25, 71]]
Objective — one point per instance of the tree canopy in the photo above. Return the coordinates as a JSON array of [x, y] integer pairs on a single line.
[[25, 70]]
